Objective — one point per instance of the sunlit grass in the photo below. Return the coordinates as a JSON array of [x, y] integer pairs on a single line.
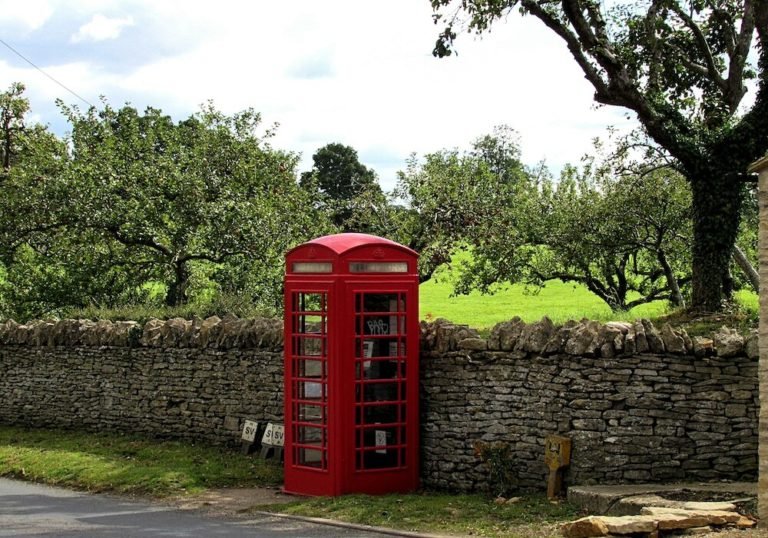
[[127, 464], [558, 300], [464, 515]]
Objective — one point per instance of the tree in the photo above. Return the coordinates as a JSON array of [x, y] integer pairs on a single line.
[[451, 193], [142, 200], [33, 160], [614, 233], [13, 108], [338, 178], [682, 67], [205, 190]]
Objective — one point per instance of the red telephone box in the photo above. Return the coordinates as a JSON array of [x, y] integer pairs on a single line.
[[351, 366]]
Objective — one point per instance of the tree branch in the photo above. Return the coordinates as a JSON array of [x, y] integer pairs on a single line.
[[572, 41], [742, 45], [746, 267], [115, 232], [701, 40]]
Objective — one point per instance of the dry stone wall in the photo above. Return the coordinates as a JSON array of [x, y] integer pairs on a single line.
[[640, 404], [183, 379]]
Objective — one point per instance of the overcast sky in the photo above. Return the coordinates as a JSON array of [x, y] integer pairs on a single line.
[[359, 72]]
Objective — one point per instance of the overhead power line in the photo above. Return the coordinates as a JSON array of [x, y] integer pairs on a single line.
[[30, 62]]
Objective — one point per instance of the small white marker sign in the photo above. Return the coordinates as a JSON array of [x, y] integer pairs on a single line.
[[249, 430], [381, 440], [274, 435]]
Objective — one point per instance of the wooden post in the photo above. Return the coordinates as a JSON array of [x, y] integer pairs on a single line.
[[557, 456], [761, 168]]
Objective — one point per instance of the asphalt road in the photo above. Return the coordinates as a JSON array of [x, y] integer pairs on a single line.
[[35, 510]]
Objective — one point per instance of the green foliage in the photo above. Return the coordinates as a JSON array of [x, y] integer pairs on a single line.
[[218, 305], [451, 193], [617, 235], [127, 464], [13, 108], [204, 206], [682, 68], [497, 459], [343, 186]]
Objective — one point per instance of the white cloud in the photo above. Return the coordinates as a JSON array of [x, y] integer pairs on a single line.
[[31, 14], [101, 28], [360, 73]]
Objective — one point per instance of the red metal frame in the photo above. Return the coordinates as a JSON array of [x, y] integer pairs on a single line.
[[361, 379]]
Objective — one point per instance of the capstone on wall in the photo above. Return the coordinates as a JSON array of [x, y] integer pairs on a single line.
[[640, 404]]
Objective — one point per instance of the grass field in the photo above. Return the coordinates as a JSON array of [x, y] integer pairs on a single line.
[[557, 300]]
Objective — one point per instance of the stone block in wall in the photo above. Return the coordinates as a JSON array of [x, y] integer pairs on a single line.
[[703, 347], [583, 339], [40, 333], [504, 335], [534, 337], [473, 344], [655, 342], [557, 341], [208, 332], [611, 337], [673, 340], [728, 342], [751, 345], [641, 340], [177, 332], [152, 333]]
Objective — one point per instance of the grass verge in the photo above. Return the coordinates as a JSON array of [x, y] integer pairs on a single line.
[[127, 464], [475, 515], [135, 465]]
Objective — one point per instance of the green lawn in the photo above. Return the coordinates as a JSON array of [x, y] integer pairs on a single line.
[[557, 300]]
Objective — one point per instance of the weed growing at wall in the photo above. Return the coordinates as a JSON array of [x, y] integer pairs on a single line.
[[497, 459]]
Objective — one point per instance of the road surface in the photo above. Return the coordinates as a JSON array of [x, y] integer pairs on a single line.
[[36, 510]]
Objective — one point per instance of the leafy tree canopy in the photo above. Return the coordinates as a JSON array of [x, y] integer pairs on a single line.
[[139, 198], [682, 66], [342, 183], [622, 235]]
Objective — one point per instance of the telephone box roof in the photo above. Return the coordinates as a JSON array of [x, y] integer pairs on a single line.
[[342, 243]]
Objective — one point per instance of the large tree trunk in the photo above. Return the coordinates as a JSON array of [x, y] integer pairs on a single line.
[[716, 206], [177, 291]]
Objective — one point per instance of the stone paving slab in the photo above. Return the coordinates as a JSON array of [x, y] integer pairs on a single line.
[[600, 500]]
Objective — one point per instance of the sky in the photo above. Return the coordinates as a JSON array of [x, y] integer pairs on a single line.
[[356, 72]]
